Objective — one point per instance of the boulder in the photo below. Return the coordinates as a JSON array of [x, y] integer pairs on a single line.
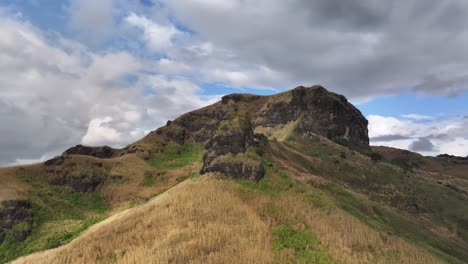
[[16, 218]]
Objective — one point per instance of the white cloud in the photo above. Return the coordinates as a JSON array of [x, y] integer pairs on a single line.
[[99, 131], [157, 37], [431, 137], [417, 116], [168, 66]]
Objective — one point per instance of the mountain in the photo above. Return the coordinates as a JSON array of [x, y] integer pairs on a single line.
[[287, 178]]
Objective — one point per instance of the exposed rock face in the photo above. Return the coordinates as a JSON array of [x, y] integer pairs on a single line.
[[80, 177], [104, 152], [238, 169], [55, 161], [79, 183], [15, 219], [228, 152], [319, 112]]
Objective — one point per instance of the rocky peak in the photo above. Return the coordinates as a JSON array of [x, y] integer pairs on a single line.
[[317, 112], [314, 110]]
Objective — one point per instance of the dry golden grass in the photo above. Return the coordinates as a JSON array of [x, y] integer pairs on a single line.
[[198, 221], [11, 187], [348, 240], [132, 169], [280, 132]]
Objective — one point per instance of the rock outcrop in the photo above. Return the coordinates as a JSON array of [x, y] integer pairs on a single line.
[[15, 219], [318, 112], [104, 152], [235, 151], [81, 177]]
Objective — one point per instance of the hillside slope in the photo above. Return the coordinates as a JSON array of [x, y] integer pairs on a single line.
[[212, 220], [288, 177]]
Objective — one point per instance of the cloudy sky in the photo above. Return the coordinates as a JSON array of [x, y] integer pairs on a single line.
[[108, 71]]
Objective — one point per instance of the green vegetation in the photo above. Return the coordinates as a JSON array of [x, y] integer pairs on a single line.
[[273, 184], [386, 220], [278, 184], [380, 185], [175, 156], [306, 248], [23, 226], [60, 215], [149, 179]]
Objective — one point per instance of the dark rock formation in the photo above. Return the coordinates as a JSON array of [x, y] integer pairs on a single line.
[[230, 152], [55, 161], [15, 219], [238, 169], [79, 183], [239, 97], [104, 152], [319, 112], [81, 177]]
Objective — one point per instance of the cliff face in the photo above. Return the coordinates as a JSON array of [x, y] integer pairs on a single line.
[[313, 110], [319, 112]]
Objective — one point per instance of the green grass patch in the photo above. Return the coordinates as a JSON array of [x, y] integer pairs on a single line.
[[307, 249], [175, 156], [275, 182], [60, 215], [23, 226], [390, 222]]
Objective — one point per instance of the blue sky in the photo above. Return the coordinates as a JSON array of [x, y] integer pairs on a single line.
[[107, 72]]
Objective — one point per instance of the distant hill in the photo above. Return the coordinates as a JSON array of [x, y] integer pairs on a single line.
[[287, 178]]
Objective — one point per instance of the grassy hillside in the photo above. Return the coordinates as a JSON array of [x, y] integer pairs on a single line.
[[215, 220], [411, 204]]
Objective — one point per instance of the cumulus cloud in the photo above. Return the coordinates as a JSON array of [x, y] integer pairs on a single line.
[[157, 37], [431, 137]]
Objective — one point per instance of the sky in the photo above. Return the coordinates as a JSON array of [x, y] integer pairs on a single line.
[[107, 72]]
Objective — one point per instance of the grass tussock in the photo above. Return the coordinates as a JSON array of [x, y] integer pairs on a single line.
[[199, 221]]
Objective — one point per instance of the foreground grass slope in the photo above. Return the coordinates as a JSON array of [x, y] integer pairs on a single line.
[[211, 219]]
